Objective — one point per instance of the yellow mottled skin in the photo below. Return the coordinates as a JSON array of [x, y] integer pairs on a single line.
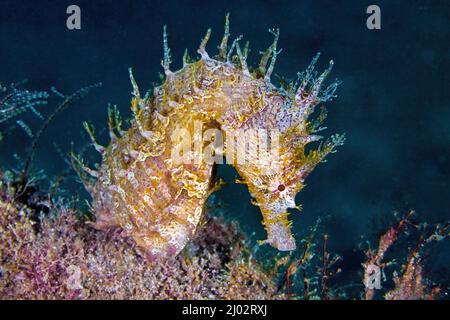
[[158, 202]]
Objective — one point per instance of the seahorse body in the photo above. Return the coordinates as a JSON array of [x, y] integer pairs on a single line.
[[157, 201]]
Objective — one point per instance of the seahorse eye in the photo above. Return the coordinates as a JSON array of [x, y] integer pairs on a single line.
[[281, 187]]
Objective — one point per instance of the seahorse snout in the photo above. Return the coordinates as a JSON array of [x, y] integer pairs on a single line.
[[280, 237]]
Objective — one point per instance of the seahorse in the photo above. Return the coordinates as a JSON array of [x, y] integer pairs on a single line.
[[141, 186]]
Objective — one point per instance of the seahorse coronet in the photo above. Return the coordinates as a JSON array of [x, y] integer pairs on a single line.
[[141, 188]]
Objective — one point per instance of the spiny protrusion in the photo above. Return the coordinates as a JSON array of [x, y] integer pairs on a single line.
[[224, 43], [314, 157], [330, 92], [135, 92], [275, 53], [81, 169], [336, 140], [246, 49], [91, 132], [309, 92], [114, 122], [323, 76], [202, 49], [264, 60], [230, 52], [136, 100], [315, 126], [147, 134], [185, 58], [242, 60], [313, 95], [166, 60], [270, 52], [306, 77]]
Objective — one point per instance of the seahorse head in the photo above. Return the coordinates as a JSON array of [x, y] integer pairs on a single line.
[[277, 136]]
